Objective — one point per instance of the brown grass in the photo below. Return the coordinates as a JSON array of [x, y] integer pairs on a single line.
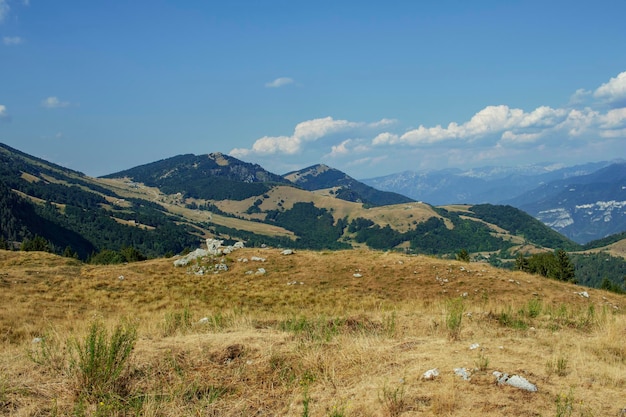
[[334, 345]]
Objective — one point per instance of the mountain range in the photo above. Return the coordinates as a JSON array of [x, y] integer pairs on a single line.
[[166, 206], [583, 202]]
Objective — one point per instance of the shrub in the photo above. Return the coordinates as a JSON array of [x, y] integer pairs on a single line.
[[100, 359], [534, 307], [454, 316], [393, 401]]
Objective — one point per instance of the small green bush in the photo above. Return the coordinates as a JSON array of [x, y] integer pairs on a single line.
[[482, 362], [535, 307], [393, 400], [100, 359], [454, 317]]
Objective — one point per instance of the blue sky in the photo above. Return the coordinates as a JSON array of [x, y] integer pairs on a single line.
[[370, 88]]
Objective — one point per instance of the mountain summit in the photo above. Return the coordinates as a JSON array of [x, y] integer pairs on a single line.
[[344, 187], [213, 176]]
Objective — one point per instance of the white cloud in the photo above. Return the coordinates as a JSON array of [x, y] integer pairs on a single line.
[[54, 103], [304, 132], [279, 82], [582, 130], [577, 123], [4, 115], [383, 123], [615, 118], [614, 90], [12, 40], [511, 137], [508, 124], [317, 128], [385, 138], [581, 96], [341, 149]]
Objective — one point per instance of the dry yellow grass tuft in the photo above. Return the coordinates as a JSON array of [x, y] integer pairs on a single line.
[[345, 333]]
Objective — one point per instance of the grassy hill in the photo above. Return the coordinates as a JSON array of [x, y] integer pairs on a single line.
[[343, 333]]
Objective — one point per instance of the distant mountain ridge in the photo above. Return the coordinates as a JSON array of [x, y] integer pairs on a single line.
[[584, 208], [492, 185], [583, 202]]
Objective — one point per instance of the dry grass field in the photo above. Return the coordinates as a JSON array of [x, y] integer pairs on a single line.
[[346, 333]]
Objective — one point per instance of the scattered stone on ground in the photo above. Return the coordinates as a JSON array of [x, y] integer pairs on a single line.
[[463, 373], [430, 374], [214, 247], [514, 381], [287, 252]]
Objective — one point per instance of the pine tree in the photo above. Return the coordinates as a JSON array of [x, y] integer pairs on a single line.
[[564, 270]]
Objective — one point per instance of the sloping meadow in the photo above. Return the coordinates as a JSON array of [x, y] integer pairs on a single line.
[[346, 333]]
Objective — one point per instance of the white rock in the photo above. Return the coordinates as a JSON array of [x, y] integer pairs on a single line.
[[260, 271], [221, 267], [462, 372], [287, 252], [521, 383], [257, 259], [213, 246], [198, 253], [121, 277], [514, 381], [357, 275], [37, 340], [584, 294], [431, 374], [474, 346], [203, 320]]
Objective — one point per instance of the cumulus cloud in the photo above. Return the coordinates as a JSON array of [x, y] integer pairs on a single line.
[[12, 40], [307, 131], [613, 91], [585, 128], [54, 103], [591, 126], [4, 115], [486, 123], [279, 82], [341, 149]]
